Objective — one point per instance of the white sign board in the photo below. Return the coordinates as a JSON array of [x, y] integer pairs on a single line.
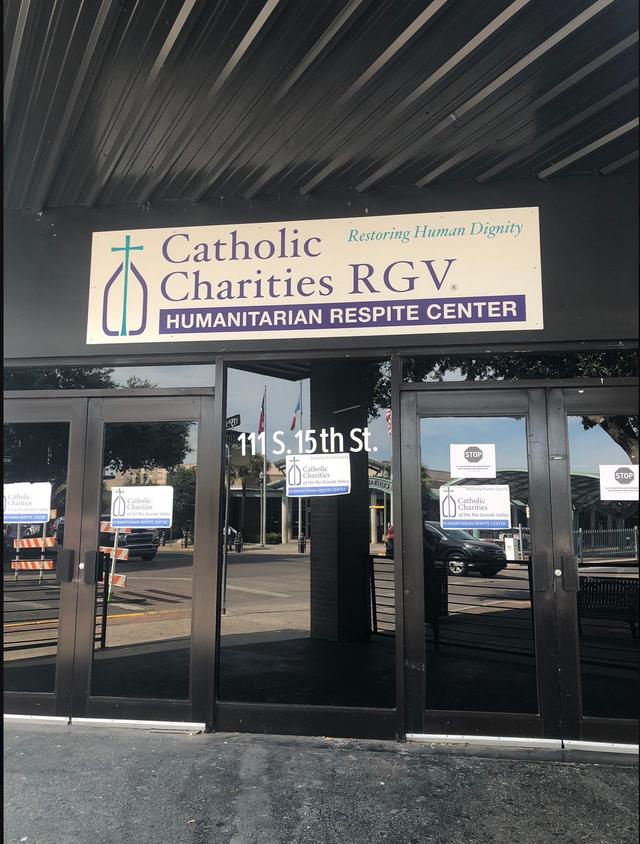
[[472, 460], [141, 506], [26, 503], [318, 474], [404, 274], [475, 507], [619, 482]]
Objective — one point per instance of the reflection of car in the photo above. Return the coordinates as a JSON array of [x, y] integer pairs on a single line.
[[7, 543], [30, 531], [462, 552], [27, 531], [142, 543]]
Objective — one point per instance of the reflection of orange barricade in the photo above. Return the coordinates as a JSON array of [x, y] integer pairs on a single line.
[[32, 565], [47, 542], [116, 580], [121, 553], [107, 527]]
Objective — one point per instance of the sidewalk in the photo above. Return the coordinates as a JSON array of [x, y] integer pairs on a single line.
[[106, 785]]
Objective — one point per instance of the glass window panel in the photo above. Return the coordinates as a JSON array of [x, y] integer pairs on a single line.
[[605, 532], [477, 600], [108, 378], [521, 367], [301, 622], [142, 631], [33, 453]]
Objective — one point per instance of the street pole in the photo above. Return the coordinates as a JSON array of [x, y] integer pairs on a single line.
[[263, 525], [114, 553], [300, 527], [225, 542]]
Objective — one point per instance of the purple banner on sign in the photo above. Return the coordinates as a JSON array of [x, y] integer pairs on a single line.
[[389, 314]]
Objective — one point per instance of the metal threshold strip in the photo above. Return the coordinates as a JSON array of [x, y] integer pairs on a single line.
[[524, 743], [422, 738], [37, 719], [125, 723]]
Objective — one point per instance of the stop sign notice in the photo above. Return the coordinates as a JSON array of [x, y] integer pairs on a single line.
[[472, 460], [473, 454], [618, 483], [624, 475]]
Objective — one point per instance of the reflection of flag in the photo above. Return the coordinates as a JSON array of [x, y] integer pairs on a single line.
[[294, 418], [261, 420], [389, 421]]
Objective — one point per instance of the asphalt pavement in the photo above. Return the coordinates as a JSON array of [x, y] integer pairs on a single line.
[[108, 785]]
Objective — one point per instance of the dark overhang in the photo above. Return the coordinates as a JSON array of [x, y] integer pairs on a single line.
[[109, 102]]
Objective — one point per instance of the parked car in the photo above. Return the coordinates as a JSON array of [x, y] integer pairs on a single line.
[[462, 552], [142, 543]]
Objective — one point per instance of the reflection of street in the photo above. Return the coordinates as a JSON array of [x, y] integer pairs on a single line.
[[267, 590], [156, 602], [488, 615], [31, 613], [155, 605], [495, 613]]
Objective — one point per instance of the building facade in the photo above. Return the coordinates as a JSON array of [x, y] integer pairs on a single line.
[[350, 265]]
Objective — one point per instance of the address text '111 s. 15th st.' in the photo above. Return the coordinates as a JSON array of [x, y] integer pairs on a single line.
[[309, 441]]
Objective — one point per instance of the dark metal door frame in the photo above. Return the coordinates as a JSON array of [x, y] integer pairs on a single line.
[[562, 403], [199, 706], [518, 401], [74, 411], [555, 607], [87, 412]]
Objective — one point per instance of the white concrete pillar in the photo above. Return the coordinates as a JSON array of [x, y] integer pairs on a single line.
[[373, 500], [284, 518]]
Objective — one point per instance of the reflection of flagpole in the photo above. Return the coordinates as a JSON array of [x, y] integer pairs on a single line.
[[389, 429], [300, 531], [263, 520], [225, 542]]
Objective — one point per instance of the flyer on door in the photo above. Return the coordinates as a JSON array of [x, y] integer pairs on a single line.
[[475, 506], [141, 506]]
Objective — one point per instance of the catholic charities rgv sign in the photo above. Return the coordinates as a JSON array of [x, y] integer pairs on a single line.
[[400, 274]]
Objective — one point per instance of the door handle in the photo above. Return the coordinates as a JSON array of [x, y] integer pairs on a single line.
[[64, 564], [570, 579], [90, 566]]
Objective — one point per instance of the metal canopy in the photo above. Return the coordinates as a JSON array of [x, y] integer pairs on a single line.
[[110, 102]]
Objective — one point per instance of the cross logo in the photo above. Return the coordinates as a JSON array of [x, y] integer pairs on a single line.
[[295, 475], [125, 270]]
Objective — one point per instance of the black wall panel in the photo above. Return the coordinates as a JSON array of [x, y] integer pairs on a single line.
[[589, 245]]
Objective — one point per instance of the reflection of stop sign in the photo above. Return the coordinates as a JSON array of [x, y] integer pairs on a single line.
[[624, 475], [473, 454]]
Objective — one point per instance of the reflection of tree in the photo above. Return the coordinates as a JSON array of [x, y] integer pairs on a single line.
[[145, 445], [183, 481], [425, 478], [39, 450], [379, 468], [38, 453], [378, 378], [512, 367], [622, 429], [244, 472], [59, 378]]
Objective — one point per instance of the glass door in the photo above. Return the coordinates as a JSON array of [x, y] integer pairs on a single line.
[[44, 443], [142, 584], [593, 435], [103, 623], [478, 556]]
